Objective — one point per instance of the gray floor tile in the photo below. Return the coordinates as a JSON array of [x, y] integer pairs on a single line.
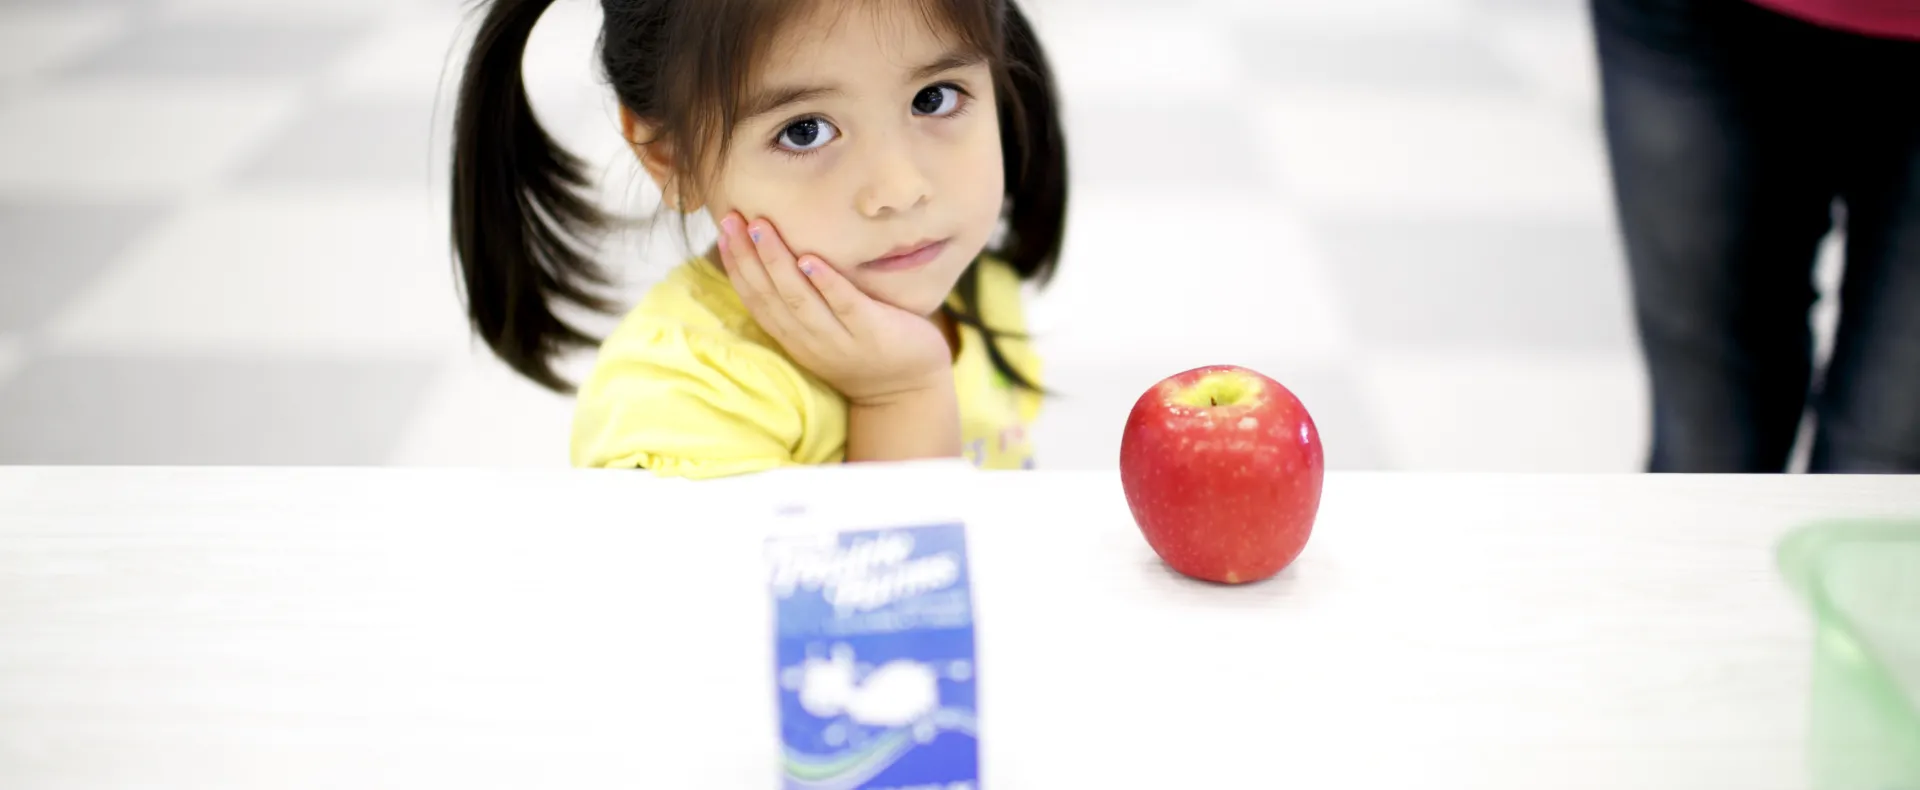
[[1466, 284], [221, 49], [50, 251], [1456, 61], [1204, 148], [176, 410], [381, 141]]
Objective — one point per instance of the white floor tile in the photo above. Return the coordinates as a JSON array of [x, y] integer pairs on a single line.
[[483, 414], [1370, 16], [1215, 281], [133, 139], [419, 55], [1349, 151], [422, 49], [1344, 16], [416, 55], [564, 51], [570, 95], [360, 272], [1555, 55], [1512, 413], [33, 40], [282, 9], [1105, 55]]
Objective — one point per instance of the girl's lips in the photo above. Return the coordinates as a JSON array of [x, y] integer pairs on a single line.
[[917, 258]]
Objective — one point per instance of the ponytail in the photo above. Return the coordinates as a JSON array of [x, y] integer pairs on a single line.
[[523, 221]]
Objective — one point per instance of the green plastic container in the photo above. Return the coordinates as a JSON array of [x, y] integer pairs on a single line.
[[1862, 580]]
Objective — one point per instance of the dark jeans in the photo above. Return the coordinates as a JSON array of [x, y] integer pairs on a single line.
[[1734, 132]]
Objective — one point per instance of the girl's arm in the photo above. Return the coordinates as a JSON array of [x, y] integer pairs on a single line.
[[912, 425]]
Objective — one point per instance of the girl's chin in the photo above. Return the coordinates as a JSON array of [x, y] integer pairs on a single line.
[[916, 299]]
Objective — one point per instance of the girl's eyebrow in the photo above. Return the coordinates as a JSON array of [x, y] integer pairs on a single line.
[[957, 59], [769, 100], [772, 99]]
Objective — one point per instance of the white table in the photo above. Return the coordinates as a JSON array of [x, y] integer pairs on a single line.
[[476, 629]]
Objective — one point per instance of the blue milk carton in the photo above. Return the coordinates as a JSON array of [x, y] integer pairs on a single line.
[[874, 660]]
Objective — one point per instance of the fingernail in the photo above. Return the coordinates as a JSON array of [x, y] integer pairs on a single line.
[[730, 225], [755, 235], [806, 266]]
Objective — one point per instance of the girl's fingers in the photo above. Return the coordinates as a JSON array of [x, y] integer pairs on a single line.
[[848, 303], [727, 264], [749, 278], [802, 301], [743, 261]]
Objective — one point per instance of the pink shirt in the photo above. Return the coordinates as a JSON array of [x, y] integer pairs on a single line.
[[1882, 18]]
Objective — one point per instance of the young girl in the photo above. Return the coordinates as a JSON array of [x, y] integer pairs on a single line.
[[883, 173]]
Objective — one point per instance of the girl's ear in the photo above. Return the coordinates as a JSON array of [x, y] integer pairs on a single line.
[[656, 157]]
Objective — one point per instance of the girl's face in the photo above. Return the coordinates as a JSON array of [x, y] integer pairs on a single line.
[[864, 136]]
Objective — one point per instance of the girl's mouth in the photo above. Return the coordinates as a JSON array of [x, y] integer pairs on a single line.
[[912, 257]]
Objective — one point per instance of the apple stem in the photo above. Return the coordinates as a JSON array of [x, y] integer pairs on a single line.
[[1212, 402]]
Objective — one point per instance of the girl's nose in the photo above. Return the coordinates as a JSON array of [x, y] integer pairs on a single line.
[[897, 184]]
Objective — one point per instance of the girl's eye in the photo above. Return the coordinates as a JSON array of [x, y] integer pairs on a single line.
[[807, 135], [937, 100]]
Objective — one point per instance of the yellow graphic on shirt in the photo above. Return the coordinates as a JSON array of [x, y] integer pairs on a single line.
[[996, 435]]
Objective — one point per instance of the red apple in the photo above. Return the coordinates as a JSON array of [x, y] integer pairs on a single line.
[[1222, 468]]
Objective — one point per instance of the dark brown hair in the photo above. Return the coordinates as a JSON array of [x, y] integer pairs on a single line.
[[524, 227]]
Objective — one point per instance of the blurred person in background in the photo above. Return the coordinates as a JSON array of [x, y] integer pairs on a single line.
[[1740, 133]]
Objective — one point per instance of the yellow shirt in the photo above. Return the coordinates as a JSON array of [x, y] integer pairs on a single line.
[[689, 385]]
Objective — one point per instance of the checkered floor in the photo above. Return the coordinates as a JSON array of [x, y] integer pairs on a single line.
[[223, 241]]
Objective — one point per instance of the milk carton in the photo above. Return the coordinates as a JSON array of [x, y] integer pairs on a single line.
[[874, 662]]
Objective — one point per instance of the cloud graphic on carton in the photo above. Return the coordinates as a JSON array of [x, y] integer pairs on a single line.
[[894, 694]]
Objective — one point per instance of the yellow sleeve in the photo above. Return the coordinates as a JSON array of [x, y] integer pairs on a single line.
[[687, 405]]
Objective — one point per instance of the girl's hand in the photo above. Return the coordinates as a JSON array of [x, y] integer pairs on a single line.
[[869, 351]]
